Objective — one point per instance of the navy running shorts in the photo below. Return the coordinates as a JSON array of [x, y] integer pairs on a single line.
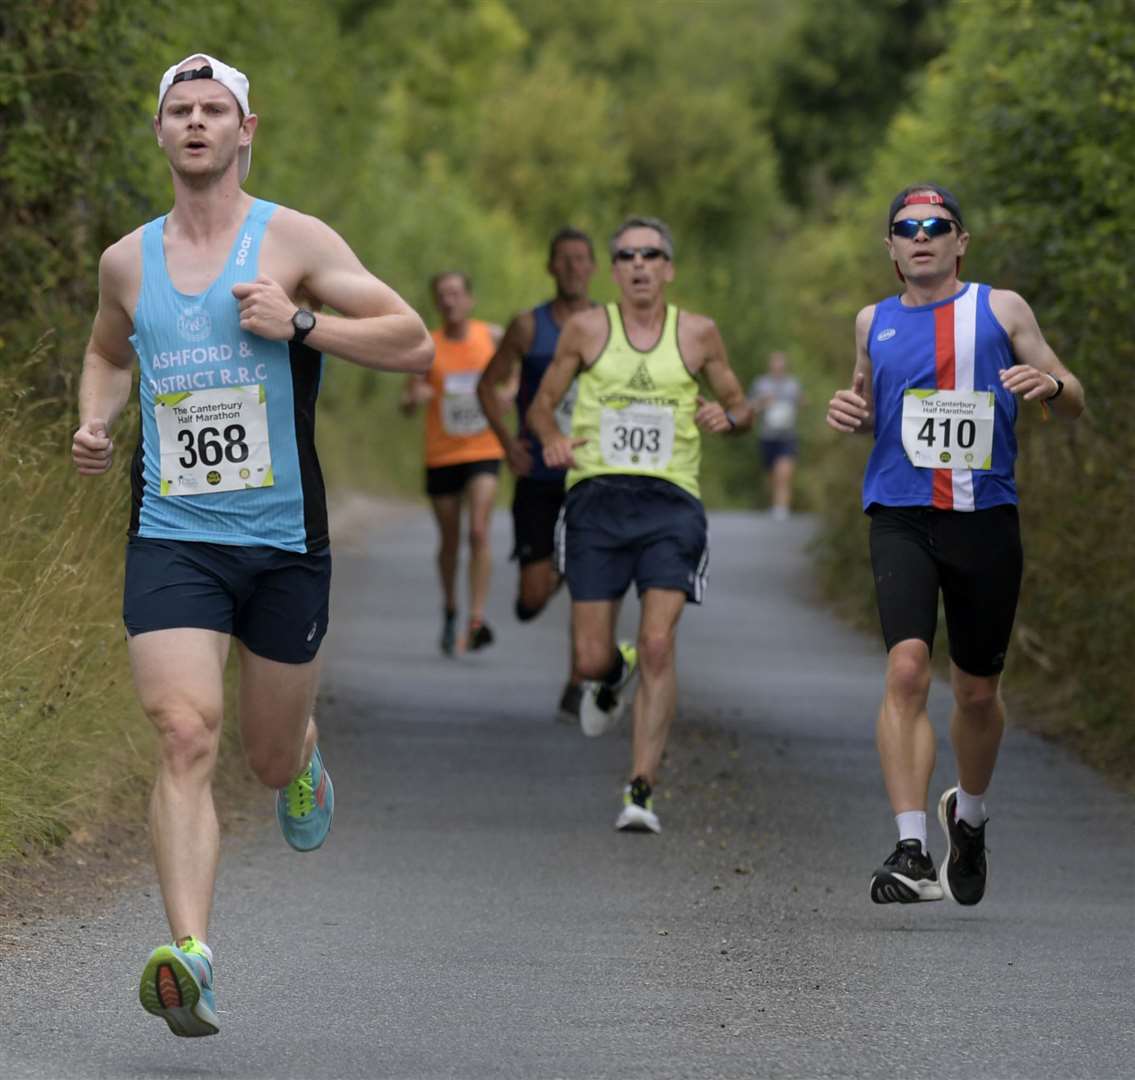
[[451, 479], [774, 449], [973, 559], [536, 506], [275, 602], [617, 529]]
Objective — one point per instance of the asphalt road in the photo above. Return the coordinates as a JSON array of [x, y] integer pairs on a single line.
[[474, 914]]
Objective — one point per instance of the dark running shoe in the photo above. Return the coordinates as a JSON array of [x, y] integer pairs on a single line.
[[568, 711], [965, 869], [907, 877], [449, 632], [480, 636]]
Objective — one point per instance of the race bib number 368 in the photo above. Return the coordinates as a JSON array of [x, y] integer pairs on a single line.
[[948, 429], [213, 440], [637, 437]]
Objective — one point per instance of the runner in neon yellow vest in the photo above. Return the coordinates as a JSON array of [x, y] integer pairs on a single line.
[[633, 509]]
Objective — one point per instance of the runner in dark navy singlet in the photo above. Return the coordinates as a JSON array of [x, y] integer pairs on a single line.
[[219, 304], [939, 374], [530, 342]]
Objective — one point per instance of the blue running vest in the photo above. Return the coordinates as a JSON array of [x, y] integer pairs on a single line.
[[954, 344], [533, 364], [191, 351]]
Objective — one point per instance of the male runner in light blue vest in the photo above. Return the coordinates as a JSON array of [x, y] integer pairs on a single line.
[[219, 303]]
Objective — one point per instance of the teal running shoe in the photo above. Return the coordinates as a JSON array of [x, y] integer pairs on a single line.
[[306, 806], [177, 985]]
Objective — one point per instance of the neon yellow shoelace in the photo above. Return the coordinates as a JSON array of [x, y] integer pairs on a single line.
[[300, 794]]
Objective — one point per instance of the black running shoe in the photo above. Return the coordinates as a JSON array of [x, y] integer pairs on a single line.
[[449, 632], [568, 711], [480, 635], [907, 877], [965, 868]]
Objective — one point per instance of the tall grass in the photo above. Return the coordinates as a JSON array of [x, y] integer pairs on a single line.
[[70, 735]]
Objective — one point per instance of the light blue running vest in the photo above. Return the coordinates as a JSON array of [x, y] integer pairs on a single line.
[[187, 344]]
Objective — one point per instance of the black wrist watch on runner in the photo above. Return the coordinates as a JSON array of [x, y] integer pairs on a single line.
[[1059, 388], [304, 322]]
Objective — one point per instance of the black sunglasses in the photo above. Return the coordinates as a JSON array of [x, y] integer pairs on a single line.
[[932, 226], [648, 253]]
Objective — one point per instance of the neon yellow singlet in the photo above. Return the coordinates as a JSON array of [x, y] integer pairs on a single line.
[[636, 411]]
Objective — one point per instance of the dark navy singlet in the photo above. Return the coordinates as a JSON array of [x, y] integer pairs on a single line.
[[227, 448], [533, 364], [953, 345]]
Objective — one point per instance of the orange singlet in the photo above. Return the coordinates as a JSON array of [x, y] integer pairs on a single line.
[[456, 428]]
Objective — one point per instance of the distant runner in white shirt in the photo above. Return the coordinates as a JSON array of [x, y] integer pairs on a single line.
[[776, 398]]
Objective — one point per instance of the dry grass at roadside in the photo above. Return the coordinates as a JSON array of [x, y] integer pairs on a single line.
[[75, 749]]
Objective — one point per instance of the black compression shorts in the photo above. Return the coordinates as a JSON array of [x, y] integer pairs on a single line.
[[973, 558], [535, 509]]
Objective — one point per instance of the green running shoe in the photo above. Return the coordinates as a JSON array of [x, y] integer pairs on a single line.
[[306, 806], [177, 985]]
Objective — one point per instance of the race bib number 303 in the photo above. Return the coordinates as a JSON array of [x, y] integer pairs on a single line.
[[637, 437], [213, 440], [948, 429]]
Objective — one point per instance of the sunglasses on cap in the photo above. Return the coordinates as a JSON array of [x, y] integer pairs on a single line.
[[648, 253], [908, 228]]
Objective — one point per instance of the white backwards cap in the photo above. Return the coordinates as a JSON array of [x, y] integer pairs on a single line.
[[235, 82]]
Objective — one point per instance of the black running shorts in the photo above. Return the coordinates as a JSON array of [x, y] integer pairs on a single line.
[[275, 602], [535, 509], [973, 558], [617, 529], [451, 479]]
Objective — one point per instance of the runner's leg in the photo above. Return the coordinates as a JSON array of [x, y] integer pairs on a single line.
[[593, 637], [904, 735], [277, 728], [656, 699], [976, 726], [447, 511], [782, 481], [185, 703], [482, 491], [538, 581]]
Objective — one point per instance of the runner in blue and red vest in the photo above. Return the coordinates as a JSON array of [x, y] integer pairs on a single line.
[[530, 342], [939, 375]]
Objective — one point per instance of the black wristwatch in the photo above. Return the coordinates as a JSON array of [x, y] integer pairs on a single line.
[[1059, 388], [304, 322]]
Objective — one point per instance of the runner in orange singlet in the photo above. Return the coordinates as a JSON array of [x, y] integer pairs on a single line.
[[462, 453]]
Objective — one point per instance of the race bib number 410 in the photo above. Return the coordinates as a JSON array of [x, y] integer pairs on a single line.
[[637, 437], [948, 429], [213, 440]]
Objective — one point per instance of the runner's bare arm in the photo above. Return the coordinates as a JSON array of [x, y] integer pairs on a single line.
[[1034, 376], [501, 372], [376, 328], [108, 363], [577, 341], [852, 411], [731, 412], [415, 391]]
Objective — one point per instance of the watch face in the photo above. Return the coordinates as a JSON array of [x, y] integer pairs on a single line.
[[303, 320]]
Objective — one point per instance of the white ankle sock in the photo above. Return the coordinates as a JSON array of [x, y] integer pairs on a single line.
[[203, 947], [970, 808], [912, 826]]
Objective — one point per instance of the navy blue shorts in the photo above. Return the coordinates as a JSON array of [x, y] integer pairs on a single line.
[[275, 602], [774, 449], [617, 529]]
